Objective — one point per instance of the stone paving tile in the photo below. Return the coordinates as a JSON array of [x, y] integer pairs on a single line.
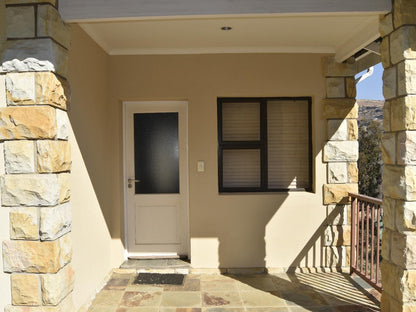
[[108, 298], [311, 309], [265, 284], [144, 288], [102, 308], [221, 298], [138, 309], [180, 310], [319, 292], [136, 298], [305, 298], [216, 285], [189, 284], [261, 299], [221, 309], [348, 299], [275, 309], [117, 283], [181, 299], [214, 277]]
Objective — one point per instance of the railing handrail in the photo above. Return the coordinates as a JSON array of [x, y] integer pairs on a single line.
[[366, 198]]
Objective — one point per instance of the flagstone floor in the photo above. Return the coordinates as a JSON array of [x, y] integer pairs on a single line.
[[317, 292]]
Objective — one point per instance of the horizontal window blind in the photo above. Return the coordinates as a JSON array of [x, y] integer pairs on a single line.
[[264, 144], [241, 121], [241, 168], [288, 144]]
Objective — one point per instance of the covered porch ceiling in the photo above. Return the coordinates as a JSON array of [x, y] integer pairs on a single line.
[[341, 33]]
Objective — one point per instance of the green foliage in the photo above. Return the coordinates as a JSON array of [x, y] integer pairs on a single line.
[[369, 162]]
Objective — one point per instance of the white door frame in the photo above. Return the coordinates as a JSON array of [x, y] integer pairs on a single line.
[[125, 173]]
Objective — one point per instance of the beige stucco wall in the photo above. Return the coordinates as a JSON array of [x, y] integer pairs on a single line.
[[247, 230], [95, 251]]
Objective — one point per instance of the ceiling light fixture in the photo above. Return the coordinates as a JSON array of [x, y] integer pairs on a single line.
[[226, 28]]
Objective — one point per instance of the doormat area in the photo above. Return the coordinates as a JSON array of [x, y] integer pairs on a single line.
[[161, 279]]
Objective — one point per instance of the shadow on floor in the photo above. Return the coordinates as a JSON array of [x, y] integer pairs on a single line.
[[292, 292], [317, 292]]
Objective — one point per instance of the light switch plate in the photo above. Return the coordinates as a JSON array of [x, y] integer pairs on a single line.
[[201, 166]]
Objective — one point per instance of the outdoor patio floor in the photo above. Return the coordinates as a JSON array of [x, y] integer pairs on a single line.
[[317, 292]]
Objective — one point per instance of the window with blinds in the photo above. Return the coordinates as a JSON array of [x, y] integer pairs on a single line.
[[264, 144]]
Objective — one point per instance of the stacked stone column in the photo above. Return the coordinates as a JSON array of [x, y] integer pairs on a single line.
[[398, 53], [340, 153], [35, 157]]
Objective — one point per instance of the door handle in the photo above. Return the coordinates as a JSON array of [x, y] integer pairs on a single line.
[[130, 182]]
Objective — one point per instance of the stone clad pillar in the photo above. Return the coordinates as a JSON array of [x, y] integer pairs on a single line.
[[35, 152], [398, 53], [340, 154]]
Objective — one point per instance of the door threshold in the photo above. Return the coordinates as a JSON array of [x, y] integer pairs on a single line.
[[151, 257], [161, 265]]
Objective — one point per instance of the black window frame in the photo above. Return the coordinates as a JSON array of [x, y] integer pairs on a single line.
[[258, 144]]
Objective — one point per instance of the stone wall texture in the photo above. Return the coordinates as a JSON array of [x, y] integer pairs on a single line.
[[36, 157], [398, 51], [340, 153]]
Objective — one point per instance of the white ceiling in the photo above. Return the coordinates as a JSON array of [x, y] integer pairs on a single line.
[[342, 34]]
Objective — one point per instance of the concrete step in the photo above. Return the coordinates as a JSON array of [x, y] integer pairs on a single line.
[[162, 266]]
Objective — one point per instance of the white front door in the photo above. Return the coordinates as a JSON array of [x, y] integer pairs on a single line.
[[156, 178]]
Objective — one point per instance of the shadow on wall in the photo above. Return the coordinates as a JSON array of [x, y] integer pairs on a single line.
[[91, 188], [245, 243], [242, 240], [325, 244], [241, 222], [89, 117]]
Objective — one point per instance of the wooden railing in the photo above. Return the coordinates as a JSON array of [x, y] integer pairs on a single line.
[[366, 230]]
